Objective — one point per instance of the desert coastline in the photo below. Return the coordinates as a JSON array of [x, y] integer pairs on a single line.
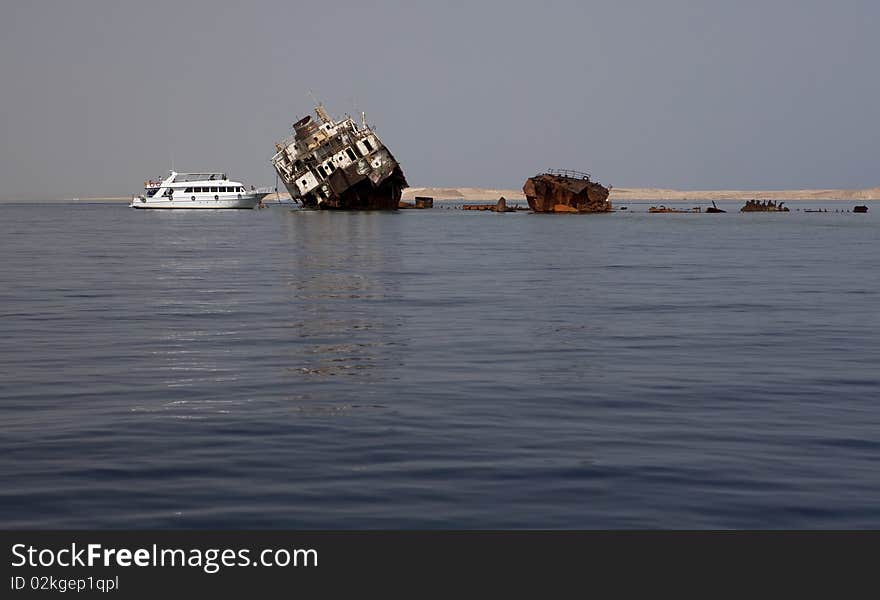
[[621, 194], [628, 194]]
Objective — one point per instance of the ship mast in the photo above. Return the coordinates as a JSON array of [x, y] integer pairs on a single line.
[[322, 113]]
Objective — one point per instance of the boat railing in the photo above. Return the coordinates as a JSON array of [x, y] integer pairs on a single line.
[[568, 173]]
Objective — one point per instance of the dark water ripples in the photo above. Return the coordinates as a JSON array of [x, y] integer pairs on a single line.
[[437, 369]]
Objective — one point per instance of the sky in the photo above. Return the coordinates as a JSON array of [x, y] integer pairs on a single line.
[[98, 96]]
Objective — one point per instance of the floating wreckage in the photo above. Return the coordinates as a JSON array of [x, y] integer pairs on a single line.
[[765, 206], [498, 207], [862, 208], [337, 165], [564, 191], [714, 209], [666, 209], [419, 202]]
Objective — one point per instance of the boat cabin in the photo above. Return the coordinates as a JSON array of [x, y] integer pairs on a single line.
[[195, 185]]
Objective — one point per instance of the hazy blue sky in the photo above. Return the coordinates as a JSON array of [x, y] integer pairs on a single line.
[[98, 96]]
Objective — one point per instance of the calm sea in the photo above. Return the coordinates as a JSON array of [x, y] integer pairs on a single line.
[[438, 368]]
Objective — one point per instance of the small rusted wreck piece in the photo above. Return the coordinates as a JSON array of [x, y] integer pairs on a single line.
[[765, 206], [666, 209], [862, 208], [421, 202], [338, 165], [498, 207], [565, 191]]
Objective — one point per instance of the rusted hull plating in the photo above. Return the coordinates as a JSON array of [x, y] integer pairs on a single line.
[[767, 206], [351, 191], [566, 191]]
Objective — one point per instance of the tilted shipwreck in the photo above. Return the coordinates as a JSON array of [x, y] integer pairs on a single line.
[[329, 164], [566, 191]]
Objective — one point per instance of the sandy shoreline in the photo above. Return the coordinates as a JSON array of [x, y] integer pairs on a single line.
[[627, 194], [617, 195], [622, 194]]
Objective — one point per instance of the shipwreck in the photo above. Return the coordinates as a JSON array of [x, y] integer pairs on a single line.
[[338, 165], [765, 206], [564, 191]]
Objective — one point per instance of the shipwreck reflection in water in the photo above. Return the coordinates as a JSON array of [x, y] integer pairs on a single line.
[[343, 294]]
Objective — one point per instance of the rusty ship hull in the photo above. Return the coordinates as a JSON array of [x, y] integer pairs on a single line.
[[350, 190], [767, 206], [337, 165], [566, 192]]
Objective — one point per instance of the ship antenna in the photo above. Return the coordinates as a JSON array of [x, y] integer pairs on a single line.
[[320, 110]]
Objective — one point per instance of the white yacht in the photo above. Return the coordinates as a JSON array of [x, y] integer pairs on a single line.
[[198, 190]]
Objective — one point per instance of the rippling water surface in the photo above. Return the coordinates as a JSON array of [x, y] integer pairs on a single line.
[[438, 368]]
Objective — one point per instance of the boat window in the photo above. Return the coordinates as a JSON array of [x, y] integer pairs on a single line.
[[188, 190], [350, 153], [213, 189], [368, 145], [223, 189], [241, 188]]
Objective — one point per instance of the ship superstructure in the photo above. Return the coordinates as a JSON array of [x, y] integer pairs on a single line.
[[331, 164]]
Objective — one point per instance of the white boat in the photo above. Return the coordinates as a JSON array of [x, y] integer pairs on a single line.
[[198, 190]]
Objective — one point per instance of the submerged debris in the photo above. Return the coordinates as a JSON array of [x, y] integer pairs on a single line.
[[421, 202], [566, 191], [765, 206], [665, 209], [714, 209], [498, 207], [863, 208]]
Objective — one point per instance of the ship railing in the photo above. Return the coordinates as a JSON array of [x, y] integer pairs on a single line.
[[569, 173]]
